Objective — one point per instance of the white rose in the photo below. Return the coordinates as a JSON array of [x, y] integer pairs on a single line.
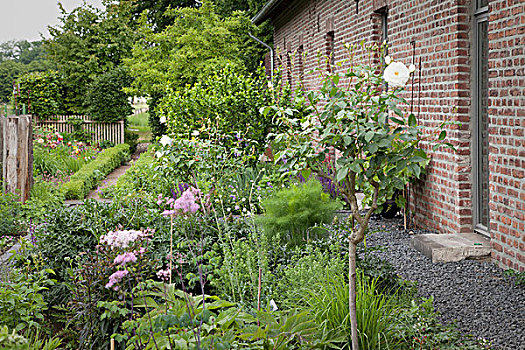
[[158, 154], [396, 74], [163, 120], [165, 140], [412, 68], [388, 60]]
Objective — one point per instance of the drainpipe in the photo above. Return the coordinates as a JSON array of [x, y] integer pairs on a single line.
[[271, 53]]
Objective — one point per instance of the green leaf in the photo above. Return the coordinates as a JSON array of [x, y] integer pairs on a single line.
[[306, 173], [341, 173], [398, 121], [412, 120], [369, 136], [442, 135]]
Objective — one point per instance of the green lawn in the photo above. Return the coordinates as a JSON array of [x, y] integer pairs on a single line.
[[138, 123]]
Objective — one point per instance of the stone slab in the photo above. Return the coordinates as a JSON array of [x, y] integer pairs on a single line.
[[451, 247]]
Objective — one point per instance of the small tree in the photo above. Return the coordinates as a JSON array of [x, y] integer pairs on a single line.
[[355, 119]]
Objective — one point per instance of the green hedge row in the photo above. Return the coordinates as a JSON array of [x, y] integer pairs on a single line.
[[87, 177]]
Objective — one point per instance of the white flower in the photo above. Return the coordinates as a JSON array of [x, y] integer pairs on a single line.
[[396, 74], [159, 154], [412, 68], [162, 120], [195, 133], [388, 60], [165, 140]]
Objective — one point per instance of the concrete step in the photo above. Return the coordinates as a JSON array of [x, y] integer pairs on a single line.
[[451, 247]]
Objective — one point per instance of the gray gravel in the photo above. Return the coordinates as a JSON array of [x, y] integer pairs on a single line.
[[477, 295]]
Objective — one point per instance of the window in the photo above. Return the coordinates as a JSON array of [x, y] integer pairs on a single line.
[[480, 147], [330, 36]]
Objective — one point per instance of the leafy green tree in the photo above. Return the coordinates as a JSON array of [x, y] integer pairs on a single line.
[[195, 45], [156, 11], [87, 43], [41, 91], [377, 144], [106, 100], [227, 7], [17, 58], [225, 103]]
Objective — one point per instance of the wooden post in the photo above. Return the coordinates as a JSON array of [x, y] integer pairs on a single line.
[[17, 155]]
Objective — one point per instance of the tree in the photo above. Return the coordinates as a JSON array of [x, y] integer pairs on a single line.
[[156, 11], [17, 58], [87, 43], [196, 44], [106, 99], [377, 143], [41, 92]]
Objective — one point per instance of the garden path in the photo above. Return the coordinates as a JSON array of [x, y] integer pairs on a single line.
[[112, 178]]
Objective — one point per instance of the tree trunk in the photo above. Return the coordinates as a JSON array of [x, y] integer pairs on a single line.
[[352, 293]]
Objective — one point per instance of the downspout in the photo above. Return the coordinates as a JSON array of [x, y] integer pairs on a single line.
[[271, 53]]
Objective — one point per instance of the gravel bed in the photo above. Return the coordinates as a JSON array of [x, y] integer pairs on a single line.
[[475, 294]]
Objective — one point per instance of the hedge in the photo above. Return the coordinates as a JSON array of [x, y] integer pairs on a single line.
[[87, 177]]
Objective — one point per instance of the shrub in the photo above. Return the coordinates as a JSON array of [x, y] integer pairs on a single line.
[[21, 302], [226, 103], [105, 99], [86, 178], [131, 139], [306, 268], [293, 212], [43, 89], [10, 210]]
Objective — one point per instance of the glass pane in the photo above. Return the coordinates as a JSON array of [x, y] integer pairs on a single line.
[[481, 3], [483, 144]]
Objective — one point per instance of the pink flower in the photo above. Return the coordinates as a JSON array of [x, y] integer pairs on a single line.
[[116, 278], [121, 239], [125, 258], [164, 274], [186, 203]]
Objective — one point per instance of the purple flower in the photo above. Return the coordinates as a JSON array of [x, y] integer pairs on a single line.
[[125, 258], [115, 278]]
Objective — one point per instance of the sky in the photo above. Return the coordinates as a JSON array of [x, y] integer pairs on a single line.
[[26, 19]]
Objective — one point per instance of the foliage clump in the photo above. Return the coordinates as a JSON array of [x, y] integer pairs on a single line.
[[105, 99], [293, 212], [226, 103], [42, 92]]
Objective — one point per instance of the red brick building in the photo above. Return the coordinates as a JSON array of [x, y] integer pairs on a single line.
[[471, 57]]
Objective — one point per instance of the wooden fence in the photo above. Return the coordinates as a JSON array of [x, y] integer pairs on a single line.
[[99, 131], [16, 139]]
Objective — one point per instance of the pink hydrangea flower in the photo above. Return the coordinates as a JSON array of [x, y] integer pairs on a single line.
[[125, 258], [115, 278]]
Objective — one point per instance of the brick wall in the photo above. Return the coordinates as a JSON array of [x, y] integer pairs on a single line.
[[441, 34], [507, 131]]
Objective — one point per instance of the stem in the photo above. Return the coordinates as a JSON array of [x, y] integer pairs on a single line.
[[171, 244], [352, 293]]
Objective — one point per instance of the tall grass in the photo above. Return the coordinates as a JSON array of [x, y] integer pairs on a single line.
[[139, 120], [328, 301]]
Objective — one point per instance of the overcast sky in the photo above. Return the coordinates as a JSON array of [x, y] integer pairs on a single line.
[[27, 19]]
